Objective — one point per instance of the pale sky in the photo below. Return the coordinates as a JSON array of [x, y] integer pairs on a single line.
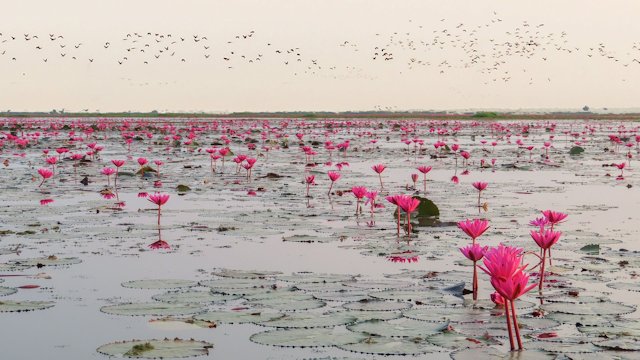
[[440, 55]]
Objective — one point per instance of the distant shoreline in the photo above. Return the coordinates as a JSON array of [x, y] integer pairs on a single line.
[[340, 115]]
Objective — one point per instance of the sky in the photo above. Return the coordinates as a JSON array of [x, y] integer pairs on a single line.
[[332, 55]]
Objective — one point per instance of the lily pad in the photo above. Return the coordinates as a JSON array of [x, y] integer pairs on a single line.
[[289, 302], [624, 344], [245, 274], [316, 278], [156, 349], [491, 353], [151, 308], [238, 317], [377, 305], [625, 286], [193, 297], [159, 284], [182, 188], [598, 308], [4, 291], [391, 346], [19, 306], [312, 320], [46, 261], [576, 150], [317, 337], [402, 327], [454, 340]]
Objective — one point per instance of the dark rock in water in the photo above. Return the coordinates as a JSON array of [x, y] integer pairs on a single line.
[[85, 181]]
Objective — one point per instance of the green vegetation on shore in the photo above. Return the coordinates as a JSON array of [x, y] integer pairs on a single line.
[[480, 115]]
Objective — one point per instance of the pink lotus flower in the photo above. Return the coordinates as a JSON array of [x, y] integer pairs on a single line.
[[479, 185], [143, 194], [540, 222], [513, 286], [117, 163], [379, 169], [545, 239], [46, 201], [142, 161], [160, 244], [424, 169], [497, 299], [474, 252], [45, 173], [158, 199], [554, 217], [474, 228]]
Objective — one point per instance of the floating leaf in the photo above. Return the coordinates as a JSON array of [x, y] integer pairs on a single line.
[[4, 291], [454, 340], [316, 278], [376, 305], [159, 284], [238, 317], [599, 308], [245, 274], [625, 286], [46, 261], [307, 337], [193, 297], [156, 349], [182, 188], [290, 301], [624, 344], [151, 308], [576, 150], [312, 320], [402, 327], [591, 249], [491, 353], [391, 346], [19, 306]]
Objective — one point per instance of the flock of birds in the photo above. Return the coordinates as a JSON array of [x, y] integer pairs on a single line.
[[492, 48]]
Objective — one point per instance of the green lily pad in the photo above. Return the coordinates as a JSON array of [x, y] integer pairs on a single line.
[[19, 306], [289, 302], [151, 308], [193, 297], [311, 320], [377, 305], [246, 274], [624, 344], [316, 278], [592, 249], [4, 291], [159, 284], [564, 345], [402, 327], [576, 150], [317, 337], [598, 308], [236, 283], [391, 346], [454, 340], [14, 267], [182, 188], [156, 349], [46, 261], [491, 353], [238, 317], [625, 286]]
